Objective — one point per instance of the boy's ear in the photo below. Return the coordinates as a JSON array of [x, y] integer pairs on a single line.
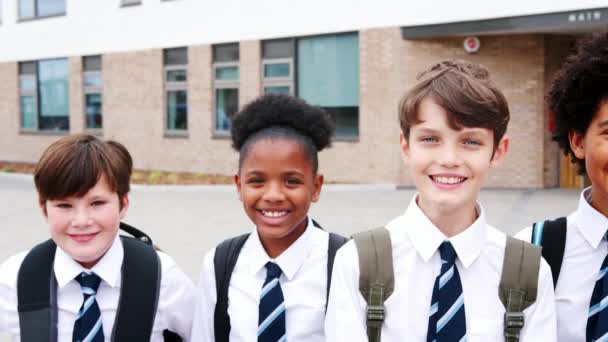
[[577, 144], [237, 182], [405, 147], [318, 184], [501, 150], [125, 206]]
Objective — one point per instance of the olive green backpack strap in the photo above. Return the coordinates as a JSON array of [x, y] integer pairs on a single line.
[[376, 279], [518, 284]]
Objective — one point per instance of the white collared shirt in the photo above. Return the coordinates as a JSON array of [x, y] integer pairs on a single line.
[[303, 282], [175, 306], [584, 253], [415, 242]]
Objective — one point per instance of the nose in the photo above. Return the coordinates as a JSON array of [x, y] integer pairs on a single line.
[[274, 192], [448, 156], [81, 218]]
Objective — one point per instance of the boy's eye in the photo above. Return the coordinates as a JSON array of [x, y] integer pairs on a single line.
[[98, 203], [256, 180], [428, 139], [63, 205], [472, 142]]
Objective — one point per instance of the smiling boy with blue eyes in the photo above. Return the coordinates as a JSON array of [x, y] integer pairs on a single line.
[[440, 272]]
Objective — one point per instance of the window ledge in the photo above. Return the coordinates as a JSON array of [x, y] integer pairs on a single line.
[[177, 134], [42, 17], [98, 132], [43, 132], [220, 135]]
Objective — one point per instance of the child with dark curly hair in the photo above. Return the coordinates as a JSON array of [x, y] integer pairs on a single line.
[[272, 284], [576, 246]]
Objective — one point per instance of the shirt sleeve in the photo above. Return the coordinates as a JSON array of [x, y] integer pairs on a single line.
[[525, 234], [540, 318], [177, 298], [202, 328], [9, 316], [345, 319]]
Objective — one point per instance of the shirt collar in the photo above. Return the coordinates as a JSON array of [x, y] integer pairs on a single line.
[[426, 237], [108, 268], [290, 260], [590, 222]]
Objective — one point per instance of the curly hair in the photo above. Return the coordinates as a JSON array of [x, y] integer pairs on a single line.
[[578, 90], [466, 92], [282, 116]]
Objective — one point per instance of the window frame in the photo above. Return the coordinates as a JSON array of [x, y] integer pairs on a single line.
[[92, 90], [224, 84], [174, 86], [34, 94], [288, 81], [337, 137], [36, 15]]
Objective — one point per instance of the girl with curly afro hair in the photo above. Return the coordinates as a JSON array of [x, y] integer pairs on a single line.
[[576, 246], [275, 278]]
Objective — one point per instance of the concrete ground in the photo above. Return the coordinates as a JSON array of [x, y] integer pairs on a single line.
[[187, 221]]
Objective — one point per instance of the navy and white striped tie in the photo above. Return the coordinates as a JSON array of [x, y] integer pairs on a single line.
[[447, 317], [597, 323], [271, 320], [87, 327]]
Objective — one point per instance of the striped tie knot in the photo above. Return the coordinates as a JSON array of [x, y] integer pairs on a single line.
[[272, 270], [447, 253], [89, 283]]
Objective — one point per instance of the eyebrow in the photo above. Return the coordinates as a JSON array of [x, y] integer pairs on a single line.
[[603, 123]]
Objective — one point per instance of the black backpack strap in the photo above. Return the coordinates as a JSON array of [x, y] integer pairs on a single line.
[[551, 236], [36, 299], [335, 242], [141, 275], [136, 233], [224, 260]]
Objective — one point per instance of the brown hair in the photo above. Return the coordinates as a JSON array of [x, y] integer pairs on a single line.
[[72, 166], [465, 91]]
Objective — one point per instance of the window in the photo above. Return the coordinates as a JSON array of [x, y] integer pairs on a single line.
[[125, 3], [277, 66], [226, 84], [323, 70], [176, 77], [328, 76], [92, 84], [44, 94], [30, 9]]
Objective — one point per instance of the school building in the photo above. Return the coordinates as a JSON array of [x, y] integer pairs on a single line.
[[164, 76]]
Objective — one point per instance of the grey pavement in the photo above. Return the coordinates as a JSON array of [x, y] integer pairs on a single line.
[[187, 221]]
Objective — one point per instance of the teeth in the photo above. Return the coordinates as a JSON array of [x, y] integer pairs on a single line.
[[274, 213], [448, 180]]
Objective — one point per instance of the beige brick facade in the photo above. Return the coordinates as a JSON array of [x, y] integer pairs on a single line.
[[134, 107]]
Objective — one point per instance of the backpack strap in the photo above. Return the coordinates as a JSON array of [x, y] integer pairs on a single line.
[[551, 236], [37, 289], [335, 242], [376, 275], [36, 299], [137, 305], [224, 260], [518, 284]]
